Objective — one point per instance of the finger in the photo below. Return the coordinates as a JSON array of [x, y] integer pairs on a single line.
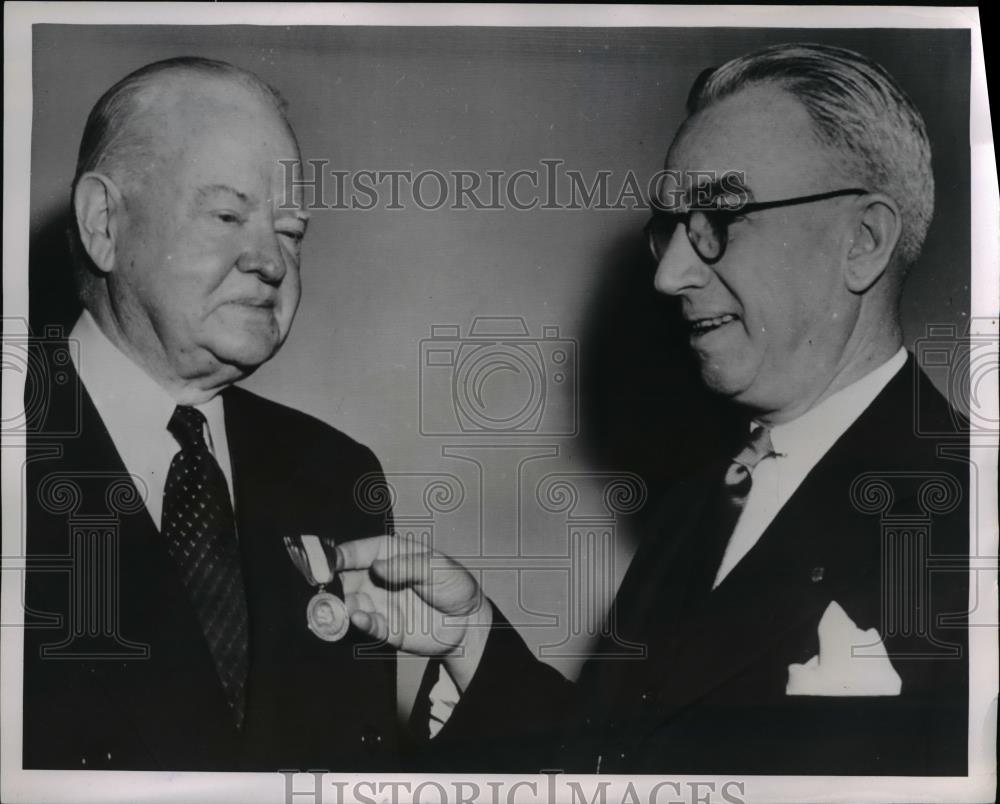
[[359, 554], [404, 569], [354, 580], [371, 586], [363, 621], [355, 602], [378, 627], [366, 602], [411, 541]]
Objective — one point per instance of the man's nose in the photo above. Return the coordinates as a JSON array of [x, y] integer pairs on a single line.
[[263, 256], [680, 268]]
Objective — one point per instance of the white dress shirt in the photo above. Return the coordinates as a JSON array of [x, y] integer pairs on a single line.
[[799, 445], [136, 409]]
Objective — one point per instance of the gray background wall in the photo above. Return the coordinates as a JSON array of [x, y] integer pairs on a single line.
[[377, 281]]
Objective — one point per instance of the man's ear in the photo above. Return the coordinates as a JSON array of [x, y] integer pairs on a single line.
[[874, 239], [97, 202]]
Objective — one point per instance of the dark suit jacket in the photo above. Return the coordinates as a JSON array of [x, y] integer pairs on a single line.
[[117, 674], [880, 525]]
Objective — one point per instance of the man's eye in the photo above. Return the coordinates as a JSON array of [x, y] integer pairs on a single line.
[[227, 216], [294, 235]]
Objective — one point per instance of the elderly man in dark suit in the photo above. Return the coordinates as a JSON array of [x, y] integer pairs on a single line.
[[803, 605], [167, 623]]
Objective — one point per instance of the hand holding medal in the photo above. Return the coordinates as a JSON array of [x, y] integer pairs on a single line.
[[404, 593], [326, 614]]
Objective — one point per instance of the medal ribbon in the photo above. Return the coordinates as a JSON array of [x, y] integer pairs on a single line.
[[319, 566]]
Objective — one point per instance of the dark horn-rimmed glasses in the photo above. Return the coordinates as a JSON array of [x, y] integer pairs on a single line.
[[708, 227]]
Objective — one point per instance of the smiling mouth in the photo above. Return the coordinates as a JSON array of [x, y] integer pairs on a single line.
[[702, 326], [266, 304]]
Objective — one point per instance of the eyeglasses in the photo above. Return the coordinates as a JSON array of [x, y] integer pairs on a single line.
[[708, 227]]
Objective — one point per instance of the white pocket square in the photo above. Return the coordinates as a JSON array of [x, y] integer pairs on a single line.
[[841, 667]]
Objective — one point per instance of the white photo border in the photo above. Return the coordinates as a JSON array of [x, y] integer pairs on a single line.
[[102, 786]]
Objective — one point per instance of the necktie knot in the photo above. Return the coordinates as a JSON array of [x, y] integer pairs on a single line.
[[723, 518], [757, 448], [187, 425]]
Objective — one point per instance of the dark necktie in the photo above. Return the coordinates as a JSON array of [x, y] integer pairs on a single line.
[[200, 533]]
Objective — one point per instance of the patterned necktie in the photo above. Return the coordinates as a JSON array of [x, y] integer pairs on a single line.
[[724, 512], [200, 533], [738, 477]]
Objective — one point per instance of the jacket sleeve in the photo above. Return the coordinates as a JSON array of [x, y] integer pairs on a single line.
[[509, 719]]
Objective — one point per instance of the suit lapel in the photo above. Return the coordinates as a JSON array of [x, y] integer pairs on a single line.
[[176, 685], [769, 594], [258, 483], [290, 669], [650, 599], [266, 511], [815, 549]]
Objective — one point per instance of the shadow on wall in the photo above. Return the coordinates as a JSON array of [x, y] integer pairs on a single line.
[[643, 407], [52, 297]]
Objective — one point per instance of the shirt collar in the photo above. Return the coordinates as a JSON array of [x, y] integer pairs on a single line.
[[816, 430], [128, 399]]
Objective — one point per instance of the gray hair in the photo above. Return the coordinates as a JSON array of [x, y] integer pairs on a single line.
[[857, 109], [112, 138]]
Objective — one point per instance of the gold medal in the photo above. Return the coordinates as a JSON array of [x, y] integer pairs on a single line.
[[326, 614]]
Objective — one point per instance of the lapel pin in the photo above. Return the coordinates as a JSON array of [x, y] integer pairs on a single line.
[[817, 574]]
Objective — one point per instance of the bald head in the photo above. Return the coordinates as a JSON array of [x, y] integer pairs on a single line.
[[189, 253], [127, 134], [120, 130]]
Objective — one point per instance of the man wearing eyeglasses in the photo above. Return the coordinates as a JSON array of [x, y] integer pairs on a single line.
[[788, 603]]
